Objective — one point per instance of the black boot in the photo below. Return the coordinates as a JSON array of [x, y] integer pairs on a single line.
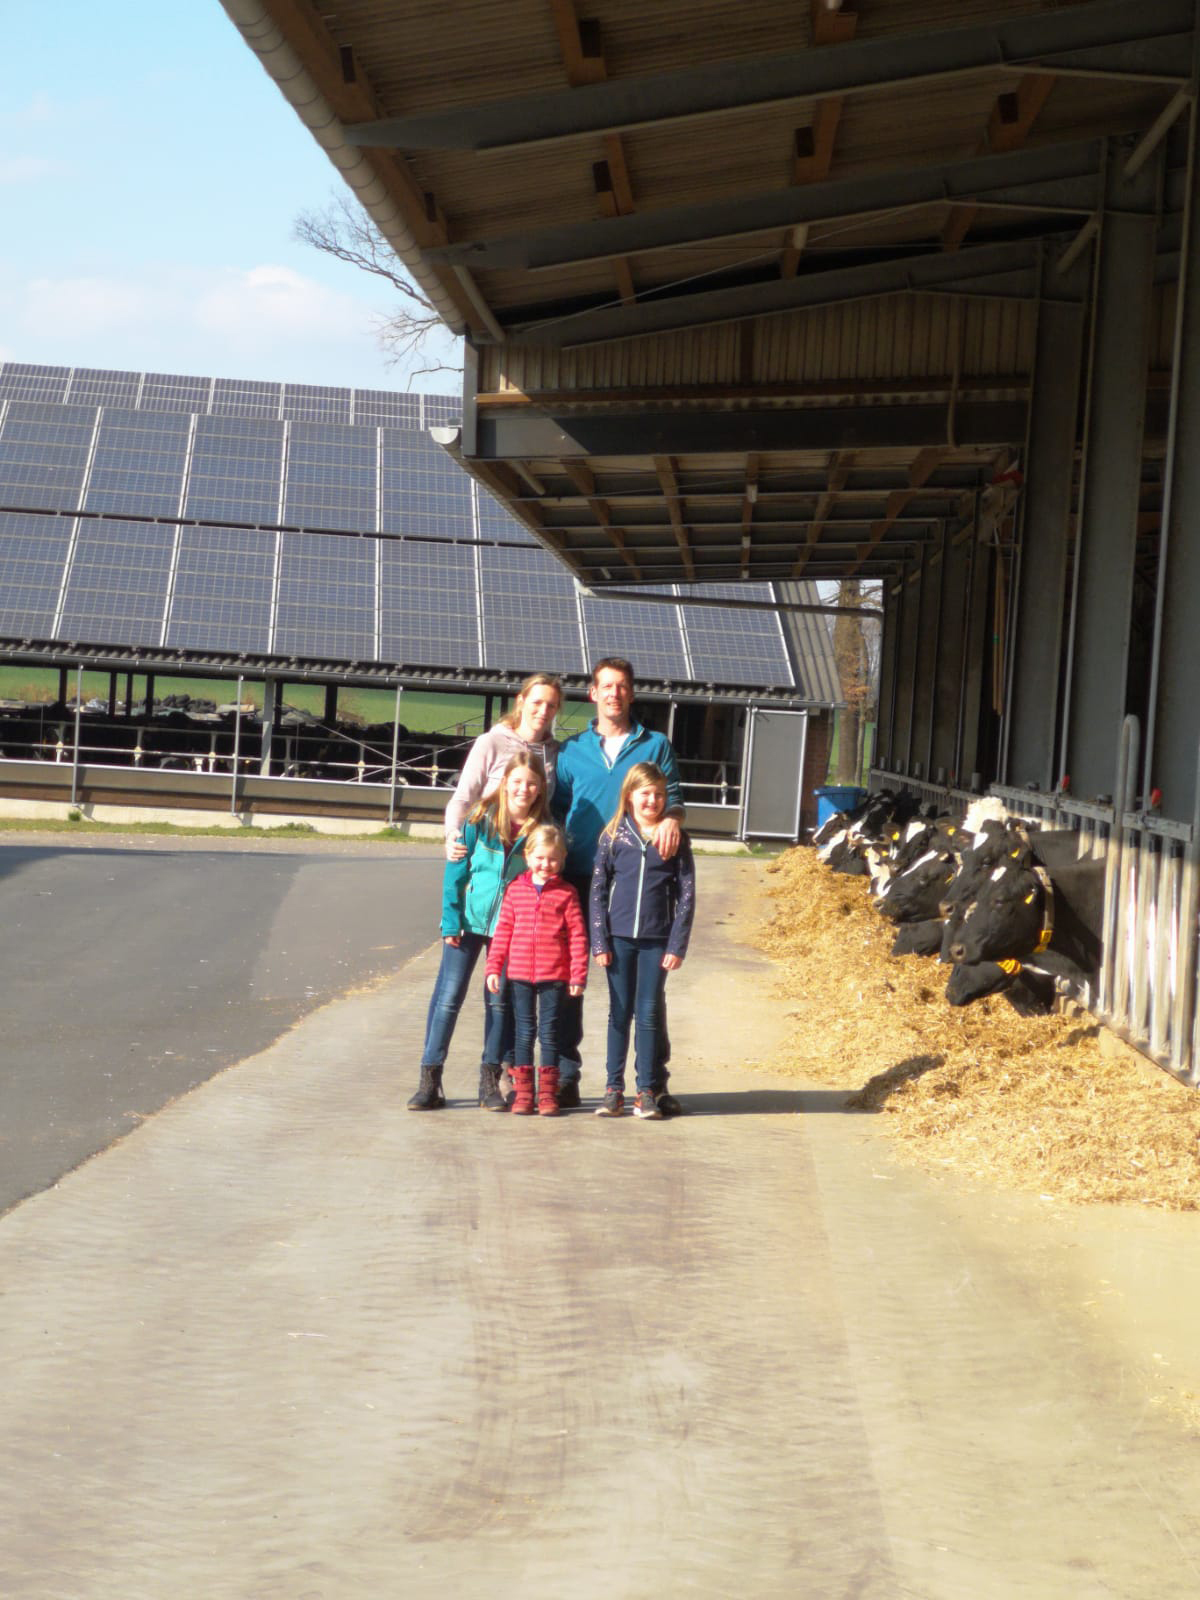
[[429, 1096], [490, 1098]]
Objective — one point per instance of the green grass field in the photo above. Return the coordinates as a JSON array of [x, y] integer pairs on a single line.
[[421, 711]]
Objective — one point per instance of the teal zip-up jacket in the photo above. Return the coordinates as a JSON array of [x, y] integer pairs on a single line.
[[473, 888], [588, 787]]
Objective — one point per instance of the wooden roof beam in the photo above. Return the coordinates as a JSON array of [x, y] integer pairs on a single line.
[[584, 480], [840, 465], [812, 146], [583, 57], [664, 466], [1011, 121]]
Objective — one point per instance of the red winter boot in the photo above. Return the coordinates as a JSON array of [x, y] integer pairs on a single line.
[[548, 1092], [522, 1105]]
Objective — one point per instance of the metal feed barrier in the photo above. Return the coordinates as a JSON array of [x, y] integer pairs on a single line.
[[1146, 990]]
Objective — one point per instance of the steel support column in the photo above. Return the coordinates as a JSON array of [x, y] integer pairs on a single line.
[[976, 652], [1174, 712], [889, 643], [1040, 587], [903, 752], [929, 630], [270, 686], [1106, 540], [948, 668]]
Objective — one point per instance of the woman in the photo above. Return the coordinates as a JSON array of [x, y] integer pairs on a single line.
[[527, 730], [472, 891]]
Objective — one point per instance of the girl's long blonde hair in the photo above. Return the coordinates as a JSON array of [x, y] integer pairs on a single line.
[[512, 718], [493, 808], [645, 775]]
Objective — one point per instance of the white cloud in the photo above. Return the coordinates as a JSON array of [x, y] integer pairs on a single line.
[[27, 169], [266, 321]]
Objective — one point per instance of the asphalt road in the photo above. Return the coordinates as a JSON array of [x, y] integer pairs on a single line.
[[133, 970]]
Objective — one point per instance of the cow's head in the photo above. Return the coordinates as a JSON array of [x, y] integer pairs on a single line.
[[1007, 918], [974, 980]]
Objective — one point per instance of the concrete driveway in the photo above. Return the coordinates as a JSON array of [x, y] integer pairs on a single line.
[[288, 1340]]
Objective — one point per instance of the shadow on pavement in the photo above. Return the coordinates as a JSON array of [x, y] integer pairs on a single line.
[[763, 1102]]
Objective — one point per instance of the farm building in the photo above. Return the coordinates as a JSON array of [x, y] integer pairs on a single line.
[[901, 291]]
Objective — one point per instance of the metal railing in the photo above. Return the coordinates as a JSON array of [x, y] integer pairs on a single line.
[[1146, 989]]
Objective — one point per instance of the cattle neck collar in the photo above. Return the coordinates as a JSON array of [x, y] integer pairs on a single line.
[[1047, 931]]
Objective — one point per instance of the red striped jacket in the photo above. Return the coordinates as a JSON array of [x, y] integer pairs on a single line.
[[540, 935]]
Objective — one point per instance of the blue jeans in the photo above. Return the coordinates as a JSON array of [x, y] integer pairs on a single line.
[[536, 1009], [636, 980], [450, 990]]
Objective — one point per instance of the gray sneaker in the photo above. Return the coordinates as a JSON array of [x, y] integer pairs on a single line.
[[647, 1106], [613, 1104]]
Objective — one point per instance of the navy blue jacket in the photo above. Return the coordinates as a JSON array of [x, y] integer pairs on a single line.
[[638, 895]]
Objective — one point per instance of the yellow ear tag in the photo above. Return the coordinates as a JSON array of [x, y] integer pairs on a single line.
[[1031, 897], [1011, 967]]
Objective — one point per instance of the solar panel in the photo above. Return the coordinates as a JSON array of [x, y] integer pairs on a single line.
[[165, 391], [327, 597], [239, 397], [315, 456], [20, 381], [236, 470], [427, 602], [310, 402], [381, 408], [734, 646], [92, 386], [529, 613], [44, 452], [422, 489], [137, 468], [222, 594], [117, 585], [649, 636], [331, 478], [32, 552]]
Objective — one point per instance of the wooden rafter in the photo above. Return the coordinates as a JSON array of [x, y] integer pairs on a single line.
[[839, 472], [343, 85], [812, 152], [584, 479], [1009, 125], [502, 478], [583, 57], [925, 464], [664, 466]]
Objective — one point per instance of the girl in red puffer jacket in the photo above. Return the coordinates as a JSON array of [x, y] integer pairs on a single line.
[[542, 939]]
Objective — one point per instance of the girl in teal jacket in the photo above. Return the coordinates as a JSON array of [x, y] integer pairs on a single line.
[[472, 889]]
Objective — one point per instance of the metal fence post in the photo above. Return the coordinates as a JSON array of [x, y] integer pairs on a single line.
[[237, 745], [1183, 1022], [75, 751], [395, 753]]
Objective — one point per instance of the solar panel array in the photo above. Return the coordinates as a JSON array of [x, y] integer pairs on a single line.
[[123, 445]]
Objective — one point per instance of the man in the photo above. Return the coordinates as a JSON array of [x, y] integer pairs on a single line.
[[591, 768]]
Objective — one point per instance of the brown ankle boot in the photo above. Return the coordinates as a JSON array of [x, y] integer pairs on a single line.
[[548, 1092], [522, 1105]]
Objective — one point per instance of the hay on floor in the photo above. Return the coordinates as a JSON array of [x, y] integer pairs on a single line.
[[1023, 1102]]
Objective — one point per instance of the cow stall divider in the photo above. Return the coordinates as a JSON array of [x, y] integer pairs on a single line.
[[1146, 988]]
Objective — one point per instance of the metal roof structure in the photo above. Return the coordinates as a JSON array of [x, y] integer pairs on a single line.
[[749, 295]]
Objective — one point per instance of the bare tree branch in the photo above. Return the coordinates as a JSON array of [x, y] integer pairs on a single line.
[[345, 232]]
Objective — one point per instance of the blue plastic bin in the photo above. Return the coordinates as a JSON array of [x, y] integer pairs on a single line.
[[837, 797]]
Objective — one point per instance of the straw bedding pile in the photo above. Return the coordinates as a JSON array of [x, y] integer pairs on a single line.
[[1022, 1102]]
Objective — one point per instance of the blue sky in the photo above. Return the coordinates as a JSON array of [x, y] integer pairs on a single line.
[[150, 175]]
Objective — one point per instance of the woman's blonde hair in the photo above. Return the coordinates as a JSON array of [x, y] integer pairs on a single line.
[[493, 809], [645, 775], [513, 717]]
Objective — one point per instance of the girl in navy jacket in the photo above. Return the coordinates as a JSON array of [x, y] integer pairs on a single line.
[[641, 919]]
